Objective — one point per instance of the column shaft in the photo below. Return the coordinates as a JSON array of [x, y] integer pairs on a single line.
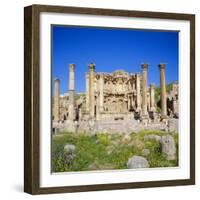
[[163, 91], [87, 92], [148, 102], [71, 108], [101, 95], [152, 97], [57, 101], [91, 89], [138, 95], [144, 90]]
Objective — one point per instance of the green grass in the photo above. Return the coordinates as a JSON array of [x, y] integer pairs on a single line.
[[106, 151]]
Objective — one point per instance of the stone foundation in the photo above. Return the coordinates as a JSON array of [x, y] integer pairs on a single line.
[[111, 126]]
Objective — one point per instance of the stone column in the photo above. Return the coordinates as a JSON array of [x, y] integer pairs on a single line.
[[91, 89], [57, 100], [71, 108], [132, 102], [87, 91], [175, 107], [148, 102], [138, 95], [152, 98], [144, 91], [101, 97], [128, 103], [163, 91], [97, 101]]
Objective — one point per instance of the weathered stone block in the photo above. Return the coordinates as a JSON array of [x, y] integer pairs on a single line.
[[168, 147], [69, 153], [173, 125], [137, 162], [153, 137]]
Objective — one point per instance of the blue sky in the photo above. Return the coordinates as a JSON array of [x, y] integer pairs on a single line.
[[112, 49]]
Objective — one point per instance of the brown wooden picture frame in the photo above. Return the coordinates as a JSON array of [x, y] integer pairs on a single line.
[[32, 96]]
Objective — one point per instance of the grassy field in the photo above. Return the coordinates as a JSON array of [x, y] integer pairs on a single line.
[[106, 151]]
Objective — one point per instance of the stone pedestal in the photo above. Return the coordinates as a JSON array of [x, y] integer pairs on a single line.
[[163, 92], [57, 100], [71, 108]]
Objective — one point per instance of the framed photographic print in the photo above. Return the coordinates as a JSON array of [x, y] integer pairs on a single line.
[[109, 99]]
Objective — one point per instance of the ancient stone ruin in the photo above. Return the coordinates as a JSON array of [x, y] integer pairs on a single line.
[[115, 102]]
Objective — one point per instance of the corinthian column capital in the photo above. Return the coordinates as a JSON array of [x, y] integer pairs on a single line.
[[161, 66], [71, 67], [144, 66], [91, 66]]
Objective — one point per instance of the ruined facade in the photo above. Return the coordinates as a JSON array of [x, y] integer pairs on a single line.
[[115, 96], [118, 95]]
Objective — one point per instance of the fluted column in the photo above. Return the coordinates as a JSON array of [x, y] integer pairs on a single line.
[[57, 100], [163, 91], [138, 95], [144, 90], [87, 91], [71, 92], [101, 97], [152, 98], [91, 89]]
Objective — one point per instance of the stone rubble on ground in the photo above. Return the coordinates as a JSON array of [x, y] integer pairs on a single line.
[[168, 147], [69, 153], [153, 137], [173, 126], [137, 162]]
